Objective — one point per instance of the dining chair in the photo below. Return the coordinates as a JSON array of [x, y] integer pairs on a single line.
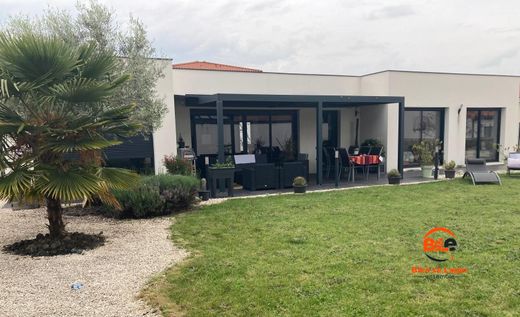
[[364, 149], [346, 166], [376, 150], [326, 163]]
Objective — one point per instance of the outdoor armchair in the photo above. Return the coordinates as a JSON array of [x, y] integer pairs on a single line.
[[260, 176]]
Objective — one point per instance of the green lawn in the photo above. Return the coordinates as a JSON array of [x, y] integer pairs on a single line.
[[348, 253]]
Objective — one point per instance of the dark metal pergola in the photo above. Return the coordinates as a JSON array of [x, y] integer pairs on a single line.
[[318, 102]]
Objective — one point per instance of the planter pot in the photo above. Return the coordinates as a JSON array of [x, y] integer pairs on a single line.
[[204, 194], [221, 172], [426, 171], [394, 180], [300, 189], [449, 174], [221, 181]]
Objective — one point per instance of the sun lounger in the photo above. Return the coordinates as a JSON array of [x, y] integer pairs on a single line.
[[479, 172]]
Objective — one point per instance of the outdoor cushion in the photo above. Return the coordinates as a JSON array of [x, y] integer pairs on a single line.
[[245, 159], [513, 162]]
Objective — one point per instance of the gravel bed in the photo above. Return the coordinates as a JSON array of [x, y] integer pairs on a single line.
[[112, 275]]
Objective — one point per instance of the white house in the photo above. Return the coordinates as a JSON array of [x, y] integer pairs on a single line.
[[470, 113]]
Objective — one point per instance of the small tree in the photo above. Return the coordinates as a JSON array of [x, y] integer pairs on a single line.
[[95, 23], [54, 122]]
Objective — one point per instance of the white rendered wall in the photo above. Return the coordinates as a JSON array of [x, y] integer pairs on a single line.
[[382, 122], [164, 139], [347, 127], [308, 136], [212, 82], [438, 90], [460, 91]]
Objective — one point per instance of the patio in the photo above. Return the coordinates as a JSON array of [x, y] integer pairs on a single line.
[[284, 131], [409, 177]]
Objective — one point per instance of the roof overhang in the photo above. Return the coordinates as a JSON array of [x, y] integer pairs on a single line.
[[267, 100]]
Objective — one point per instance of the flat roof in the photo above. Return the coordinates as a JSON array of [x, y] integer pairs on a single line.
[[356, 76]]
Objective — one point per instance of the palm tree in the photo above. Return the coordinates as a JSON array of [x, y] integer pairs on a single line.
[[54, 123]]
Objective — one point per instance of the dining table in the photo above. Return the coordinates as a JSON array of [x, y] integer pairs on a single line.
[[365, 160]]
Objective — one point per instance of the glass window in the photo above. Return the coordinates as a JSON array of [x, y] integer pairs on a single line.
[[282, 135], [330, 128], [257, 132], [471, 134], [431, 122], [482, 133], [207, 135], [421, 125], [246, 131]]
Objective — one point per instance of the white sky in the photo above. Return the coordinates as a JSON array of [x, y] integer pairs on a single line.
[[326, 36]]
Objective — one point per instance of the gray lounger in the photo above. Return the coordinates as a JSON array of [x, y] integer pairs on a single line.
[[479, 173]]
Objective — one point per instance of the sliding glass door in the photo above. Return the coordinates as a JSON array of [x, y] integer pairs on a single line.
[[482, 133], [245, 131], [421, 124]]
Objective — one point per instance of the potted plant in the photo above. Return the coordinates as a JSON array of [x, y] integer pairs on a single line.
[[394, 177], [373, 142], [449, 169], [425, 151], [300, 185], [222, 174], [222, 170]]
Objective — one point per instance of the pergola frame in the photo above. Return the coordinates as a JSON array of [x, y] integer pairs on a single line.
[[318, 102]]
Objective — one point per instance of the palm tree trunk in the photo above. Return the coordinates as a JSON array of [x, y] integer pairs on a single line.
[[54, 214]]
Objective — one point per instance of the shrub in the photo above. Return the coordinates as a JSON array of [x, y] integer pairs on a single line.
[[393, 173], [299, 181], [227, 164], [176, 165], [156, 196], [178, 191], [425, 151], [372, 142], [450, 166], [143, 201]]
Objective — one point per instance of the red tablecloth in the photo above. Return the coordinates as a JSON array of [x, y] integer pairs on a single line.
[[365, 159]]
